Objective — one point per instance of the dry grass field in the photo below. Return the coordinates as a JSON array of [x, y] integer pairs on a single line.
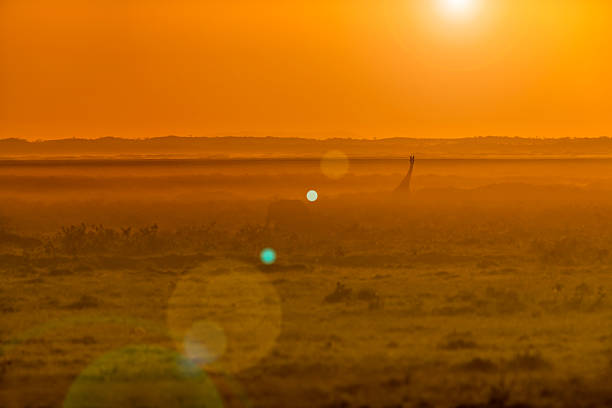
[[488, 286]]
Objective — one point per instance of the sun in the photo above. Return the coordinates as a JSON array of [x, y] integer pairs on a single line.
[[458, 8]]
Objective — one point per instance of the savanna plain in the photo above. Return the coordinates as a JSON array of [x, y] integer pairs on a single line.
[[139, 283]]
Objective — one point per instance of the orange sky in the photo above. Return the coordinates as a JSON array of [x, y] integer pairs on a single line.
[[320, 68]]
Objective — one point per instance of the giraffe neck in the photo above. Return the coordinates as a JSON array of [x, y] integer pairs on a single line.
[[409, 177], [405, 185]]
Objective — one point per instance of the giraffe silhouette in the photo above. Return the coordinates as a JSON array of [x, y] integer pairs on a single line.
[[404, 187]]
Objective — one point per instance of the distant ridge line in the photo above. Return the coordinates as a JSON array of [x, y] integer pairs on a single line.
[[295, 147], [304, 138]]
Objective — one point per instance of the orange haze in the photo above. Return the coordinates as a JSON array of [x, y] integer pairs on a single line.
[[313, 68]]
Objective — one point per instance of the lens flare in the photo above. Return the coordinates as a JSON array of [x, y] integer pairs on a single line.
[[312, 196], [148, 376], [225, 316], [205, 343], [268, 256], [334, 164]]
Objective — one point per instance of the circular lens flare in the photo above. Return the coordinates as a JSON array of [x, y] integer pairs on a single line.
[[334, 164], [268, 256], [143, 376], [225, 316], [205, 343]]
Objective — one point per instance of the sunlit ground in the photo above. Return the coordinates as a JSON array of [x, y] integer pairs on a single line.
[[471, 293]]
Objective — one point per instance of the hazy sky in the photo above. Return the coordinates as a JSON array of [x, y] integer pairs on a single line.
[[371, 68]]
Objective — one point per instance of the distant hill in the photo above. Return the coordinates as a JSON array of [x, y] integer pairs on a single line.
[[265, 147]]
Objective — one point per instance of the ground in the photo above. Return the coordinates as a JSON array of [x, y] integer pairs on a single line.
[[464, 301]]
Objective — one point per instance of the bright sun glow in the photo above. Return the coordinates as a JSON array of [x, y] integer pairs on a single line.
[[458, 8]]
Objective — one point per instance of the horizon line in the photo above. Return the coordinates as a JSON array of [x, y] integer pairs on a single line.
[[542, 138]]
